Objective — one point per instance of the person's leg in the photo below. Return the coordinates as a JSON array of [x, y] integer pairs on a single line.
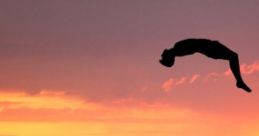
[[234, 66], [219, 51]]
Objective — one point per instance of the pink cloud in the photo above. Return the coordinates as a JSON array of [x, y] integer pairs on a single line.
[[181, 81], [245, 69], [168, 85], [249, 69], [194, 78], [212, 76]]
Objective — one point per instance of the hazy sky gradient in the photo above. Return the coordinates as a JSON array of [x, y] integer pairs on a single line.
[[108, 50]]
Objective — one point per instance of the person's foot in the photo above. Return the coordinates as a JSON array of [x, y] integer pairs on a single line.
[[243, 86]]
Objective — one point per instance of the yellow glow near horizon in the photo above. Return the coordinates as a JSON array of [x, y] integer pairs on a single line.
[[45, 99], [32, 115], [126, 128]]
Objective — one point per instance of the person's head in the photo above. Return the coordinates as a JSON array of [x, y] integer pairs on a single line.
[[167, 58]]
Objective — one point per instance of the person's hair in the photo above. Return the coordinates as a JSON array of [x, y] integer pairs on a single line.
[[168, 58]]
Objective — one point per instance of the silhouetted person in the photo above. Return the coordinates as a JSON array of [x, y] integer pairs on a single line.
[[212, 49]]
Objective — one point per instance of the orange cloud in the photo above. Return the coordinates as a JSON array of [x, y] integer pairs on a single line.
[[46, 105], [49, 105], [128, 117], [47, 99]]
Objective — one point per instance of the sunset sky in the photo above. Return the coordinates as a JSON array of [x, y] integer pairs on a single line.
[[91, 68]]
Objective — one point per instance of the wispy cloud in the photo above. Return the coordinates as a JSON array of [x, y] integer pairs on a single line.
[[181, 81], [70, 115], [168, 84], [211, 76], [138, 119], [58, 106], [246, 69], [45, 99], [194, 78]]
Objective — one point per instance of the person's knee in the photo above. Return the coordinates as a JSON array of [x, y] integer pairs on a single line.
[[233, 56]]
